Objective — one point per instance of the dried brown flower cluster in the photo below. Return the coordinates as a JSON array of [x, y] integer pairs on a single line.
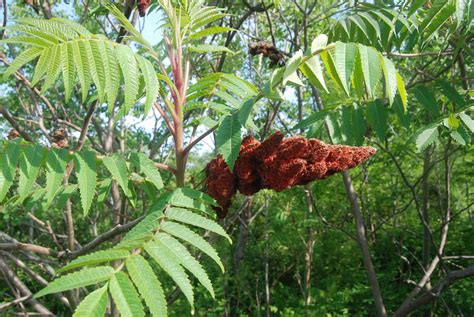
[[13, 134], [143, 6], [279, 163], [59, 139], [269, 51]]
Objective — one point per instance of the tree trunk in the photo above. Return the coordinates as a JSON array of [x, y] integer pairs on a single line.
[[364, 245]]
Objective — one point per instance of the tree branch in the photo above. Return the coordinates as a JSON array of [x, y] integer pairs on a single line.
[[435, 292], [15, 246], [118, 229], [4, 112], [25, 291]]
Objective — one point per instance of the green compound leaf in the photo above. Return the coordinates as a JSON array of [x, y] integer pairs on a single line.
[[147, 284], [125, 295], [85, 277], [94, 305], [228, 138], [87, 177]]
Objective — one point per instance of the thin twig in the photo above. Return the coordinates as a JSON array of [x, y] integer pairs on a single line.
[[16, 246], [4, 112], [115, 231]]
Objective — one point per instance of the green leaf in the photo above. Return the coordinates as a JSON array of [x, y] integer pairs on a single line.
[[8, 164], [128, 64], [170, 265], [238, 86], [345, 61], [26, 40], [47, 38], [390, 76], [87, 177], [328, 60], [186, 234], [82, 67], [426, 136], [245, 111], [85, 277], [228, 138], [370, 68], [111, 72], [125, 295], [144, 229], [55, 168], [147, 167], [95, 258], [334, 127], [147, 284], [103, 191], [30, 163], [453, 122], [416, 4], [402, 115], [427, 99], [209, 31], [372, 22], [292, 66], [186, 216], [78, 28], [94, 305], [377, 115], [64, 195], [464, 117], [54, 68], [118, 168], [96, 66], [179, 200], [313, 118], [360, 24], [42, 65], [346, 125], [358, 79], [358, 125], [195, 195], [151, 83], [68, 61], [313, 71], [134, 34], [402, 91], [207, 48], [436, 17], [25, 57], [461, 136], [186, 259], [451, 93], [461, 7]]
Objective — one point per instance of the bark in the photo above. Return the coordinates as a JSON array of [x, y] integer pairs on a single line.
[[364, 245], [309, 252], [435, 292], [268, 301], [25, 291]]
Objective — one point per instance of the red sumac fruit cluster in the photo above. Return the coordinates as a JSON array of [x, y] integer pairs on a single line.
[[278, 163]]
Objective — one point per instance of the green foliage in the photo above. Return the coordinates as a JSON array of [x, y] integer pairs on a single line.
[[94, 304], [95, 258], [86, 177], [65, 47], [34, 161], [148, 285], [172, 256], [125, 295], [85, 277]]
